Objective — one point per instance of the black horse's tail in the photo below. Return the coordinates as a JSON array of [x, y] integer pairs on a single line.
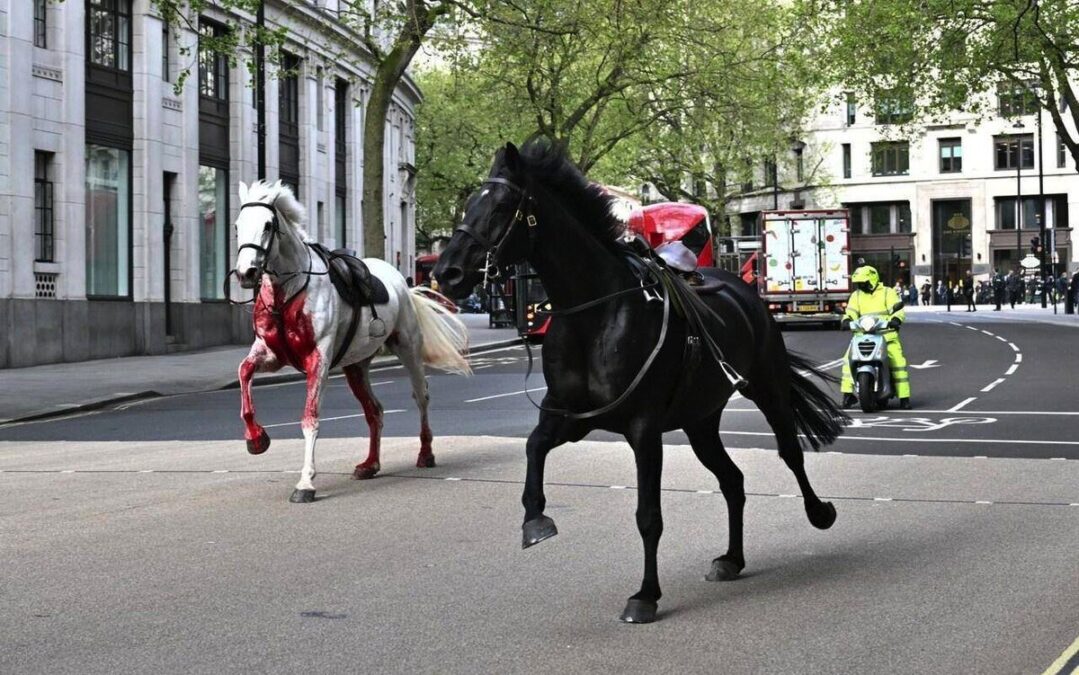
[[815, 413]]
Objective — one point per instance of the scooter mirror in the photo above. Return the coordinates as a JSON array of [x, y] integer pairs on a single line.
[[897, 306]]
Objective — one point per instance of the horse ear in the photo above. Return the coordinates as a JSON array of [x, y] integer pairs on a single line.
[[243, 192], [512, 157]]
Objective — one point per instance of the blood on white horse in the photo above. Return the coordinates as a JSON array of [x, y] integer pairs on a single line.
[[301, 321]]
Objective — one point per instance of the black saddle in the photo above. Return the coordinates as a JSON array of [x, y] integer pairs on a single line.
[[703, 283], [350, 276]]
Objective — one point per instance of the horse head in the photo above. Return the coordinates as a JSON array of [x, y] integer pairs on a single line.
[[266, 229], [492, 233]]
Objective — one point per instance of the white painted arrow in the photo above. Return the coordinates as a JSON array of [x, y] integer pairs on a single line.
[[931, 363]]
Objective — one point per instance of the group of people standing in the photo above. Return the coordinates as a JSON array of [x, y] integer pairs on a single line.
[[1011, 289]]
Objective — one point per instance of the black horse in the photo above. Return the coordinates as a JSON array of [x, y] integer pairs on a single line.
[[618, 357]]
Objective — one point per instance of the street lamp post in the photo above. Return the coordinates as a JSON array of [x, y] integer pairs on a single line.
[[1041, 205], [1018, 126]]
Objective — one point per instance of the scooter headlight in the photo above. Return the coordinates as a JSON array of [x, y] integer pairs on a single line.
[[866, 323]]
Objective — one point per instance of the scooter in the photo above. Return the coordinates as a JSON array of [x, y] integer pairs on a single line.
[[869, 365]]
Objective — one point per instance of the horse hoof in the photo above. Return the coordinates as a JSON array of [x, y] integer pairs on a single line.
[[822, 516], [724, 569], [260, 445], [425, 461], [362, 472], [639, 611], [302, 496], [536, 530]]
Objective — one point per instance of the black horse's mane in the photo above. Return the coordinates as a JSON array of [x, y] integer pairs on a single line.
[[546, 162]]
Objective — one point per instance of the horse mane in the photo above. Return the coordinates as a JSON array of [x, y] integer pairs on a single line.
[[288, 207], [547, 163]]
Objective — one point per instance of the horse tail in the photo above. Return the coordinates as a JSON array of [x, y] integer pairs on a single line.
[[445, 338], [815, 413]]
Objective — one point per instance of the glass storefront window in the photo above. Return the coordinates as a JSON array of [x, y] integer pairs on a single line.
[[339, 221], [213, 231], [108, 221], [880, 218]]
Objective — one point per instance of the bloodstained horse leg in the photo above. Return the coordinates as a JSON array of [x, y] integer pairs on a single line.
[[410, 353], [259, 359], [316, 368], [360, 384], [648, 451], [707, 445]]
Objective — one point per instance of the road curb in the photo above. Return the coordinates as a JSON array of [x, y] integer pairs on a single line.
[[380, 363]]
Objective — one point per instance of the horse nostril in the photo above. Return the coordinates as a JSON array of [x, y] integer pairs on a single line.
[[248, 275], [451, 276]]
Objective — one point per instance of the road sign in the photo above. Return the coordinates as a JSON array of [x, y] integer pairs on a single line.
[[1030, 263]]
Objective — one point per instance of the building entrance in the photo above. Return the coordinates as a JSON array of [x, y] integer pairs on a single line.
[[951, 239]]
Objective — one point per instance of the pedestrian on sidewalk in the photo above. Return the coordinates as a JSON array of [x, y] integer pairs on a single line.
[[927, 293], [968, 292], [1072, 296], [998, 288], [1014, 286]]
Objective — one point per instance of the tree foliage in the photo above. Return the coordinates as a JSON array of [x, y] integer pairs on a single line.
[[680, 94], [935, 57]]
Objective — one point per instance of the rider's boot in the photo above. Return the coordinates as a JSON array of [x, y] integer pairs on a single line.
[[904, 403], [849, 401]]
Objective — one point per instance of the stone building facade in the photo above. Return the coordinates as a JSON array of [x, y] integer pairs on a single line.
[[931, 206], [118, 193]]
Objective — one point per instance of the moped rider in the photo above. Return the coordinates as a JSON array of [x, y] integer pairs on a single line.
[[872, 297]]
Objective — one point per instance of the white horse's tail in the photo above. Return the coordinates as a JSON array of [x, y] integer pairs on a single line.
[[445, 338]]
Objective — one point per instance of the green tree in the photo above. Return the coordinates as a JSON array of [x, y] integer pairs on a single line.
[[933, 57]]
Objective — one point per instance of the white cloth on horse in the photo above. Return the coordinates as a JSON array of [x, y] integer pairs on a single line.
[[677, 256]]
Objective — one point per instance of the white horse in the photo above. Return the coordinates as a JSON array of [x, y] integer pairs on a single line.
[[301, 320]]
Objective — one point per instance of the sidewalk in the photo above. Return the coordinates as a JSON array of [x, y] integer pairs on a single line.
[[1025, 312], [55, 389]]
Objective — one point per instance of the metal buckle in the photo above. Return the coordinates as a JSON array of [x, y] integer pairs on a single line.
[[531, 220], [736, 380]]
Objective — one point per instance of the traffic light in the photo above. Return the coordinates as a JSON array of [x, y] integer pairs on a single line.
[[1035, 245]]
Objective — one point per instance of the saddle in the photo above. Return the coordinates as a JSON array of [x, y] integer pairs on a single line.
[[357, 287], [350, 276]]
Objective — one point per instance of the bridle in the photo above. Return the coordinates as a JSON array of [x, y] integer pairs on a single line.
[[493, 265], [264, 256]]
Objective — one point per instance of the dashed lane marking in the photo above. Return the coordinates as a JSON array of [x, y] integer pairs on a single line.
[[328, 419], [511, 393], [1012, 369], [1018, 358], [988, 333], [1002, 339], [960, 406], [984, 441], [1068, 662], [500, 481], [1013, 346], [991, 385]]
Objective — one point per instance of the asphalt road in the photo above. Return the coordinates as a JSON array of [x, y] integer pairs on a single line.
[[147, 539]]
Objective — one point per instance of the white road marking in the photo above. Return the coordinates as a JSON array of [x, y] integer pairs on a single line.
[[452, 479], [910, 455], [984, 441], [512, 393], [956, 324], [988, 333], [220, 471], [882, 499], [68, 471], [328, 419], [982, 502], [922, 412], [1002, 339], [981, 457], [146, 471], [705, 492], [1018, 358], [618, 487], [1012, 345], [960, 406], [1012, 369], [929, 363], [971, 327], [989, 387], [786, 496]]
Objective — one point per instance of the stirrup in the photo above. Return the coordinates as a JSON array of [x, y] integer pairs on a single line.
[[736, 380]]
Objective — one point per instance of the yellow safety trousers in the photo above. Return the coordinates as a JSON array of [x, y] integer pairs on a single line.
[[898, 363]]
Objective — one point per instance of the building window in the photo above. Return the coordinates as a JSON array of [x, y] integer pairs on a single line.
[[846, 160], [40, 24], [44, 222], [891, 158], [1015, 99], [110, 33], [1014, 151], [852, 109], [108, 221], [288, 106], [856, 225], [319, 103], [213, 65], [165, 44], [893, 110], [769, 173], [902, 219], [320, 222], [340, 235], [799, 166], [1061, 152], [880, 219], [213, 231], [1005, 212], [951, 155]]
